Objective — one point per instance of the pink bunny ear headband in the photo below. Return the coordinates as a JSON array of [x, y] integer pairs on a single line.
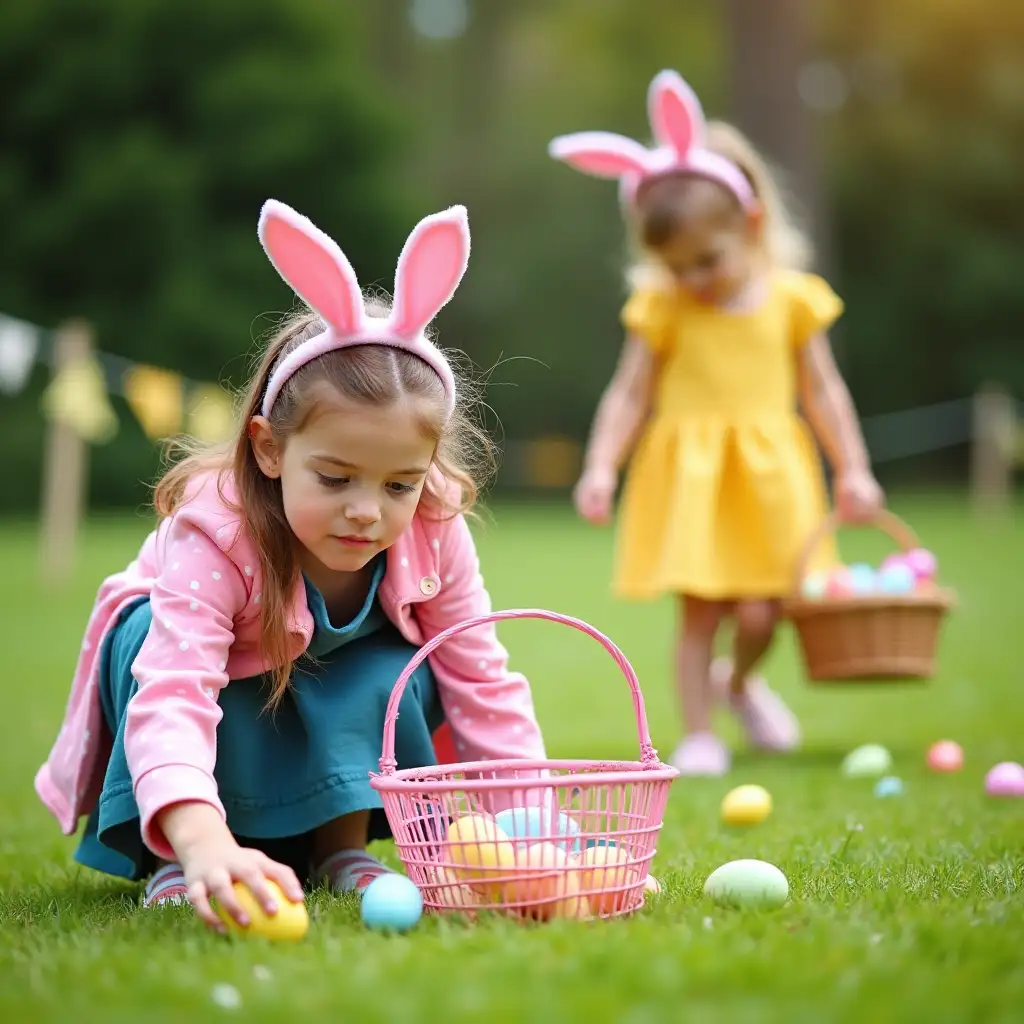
[[429, 270], [677, 122]]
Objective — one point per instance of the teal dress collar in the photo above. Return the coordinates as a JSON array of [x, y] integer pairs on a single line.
[[326, 636]]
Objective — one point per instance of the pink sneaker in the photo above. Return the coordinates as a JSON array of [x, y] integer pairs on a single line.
[[767, 721], [702, 753], [166, 888]]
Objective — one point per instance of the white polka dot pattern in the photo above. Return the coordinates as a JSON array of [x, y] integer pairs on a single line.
[[204, 592]]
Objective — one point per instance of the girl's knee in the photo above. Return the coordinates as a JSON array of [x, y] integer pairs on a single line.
[[757, 618], [700, 616]]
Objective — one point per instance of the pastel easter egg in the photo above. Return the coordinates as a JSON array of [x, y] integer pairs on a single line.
[[813, 586], [651, 886], [391, 903], [888, 786], [548, 883], [746, 805], [606, 870], [839, 583], [862, 578], [945, 756], [747, 883], [922, 563], [536, 823], [289, 924], [1005, 779], [897, 579], [891, 561], [480, 851], [868, 760], [445, 888]]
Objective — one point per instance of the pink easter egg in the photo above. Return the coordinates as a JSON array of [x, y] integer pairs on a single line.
[[1005, 779], [922, 563], [899, 558], [945, 756], [839, 583]]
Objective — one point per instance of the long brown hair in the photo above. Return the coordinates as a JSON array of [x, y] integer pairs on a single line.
[[375, 374], [665, 205]]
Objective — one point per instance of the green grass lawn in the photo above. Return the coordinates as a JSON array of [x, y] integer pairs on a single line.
[[906, 909]]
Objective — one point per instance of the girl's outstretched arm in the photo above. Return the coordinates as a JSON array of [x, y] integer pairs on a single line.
[[621, 415], [829, 408]]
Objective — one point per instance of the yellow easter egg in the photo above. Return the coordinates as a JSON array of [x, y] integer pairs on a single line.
[[574, 904], [289, 924], [607, 867], [746, 805], [481, 852]]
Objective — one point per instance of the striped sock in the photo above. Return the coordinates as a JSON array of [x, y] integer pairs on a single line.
[[166, 887], [350, 870]]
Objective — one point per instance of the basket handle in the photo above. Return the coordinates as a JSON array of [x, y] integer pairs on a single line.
[[648, 754], [884, 520]]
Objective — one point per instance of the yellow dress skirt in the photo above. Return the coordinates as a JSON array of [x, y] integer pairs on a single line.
[[726, 484]]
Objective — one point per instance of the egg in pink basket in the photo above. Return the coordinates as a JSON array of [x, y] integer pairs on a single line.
[[922, 563], [839, 583], [945, 756], [1005, 779]]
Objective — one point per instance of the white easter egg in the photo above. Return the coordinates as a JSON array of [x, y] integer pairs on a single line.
[[871, 759], [747, 883]]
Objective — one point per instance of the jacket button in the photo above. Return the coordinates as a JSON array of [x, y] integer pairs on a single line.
[[428, 586]]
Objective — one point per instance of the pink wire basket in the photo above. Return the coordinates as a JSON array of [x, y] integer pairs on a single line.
[[532, 839]]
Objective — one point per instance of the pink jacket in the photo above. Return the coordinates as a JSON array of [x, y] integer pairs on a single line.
[[202, 574]]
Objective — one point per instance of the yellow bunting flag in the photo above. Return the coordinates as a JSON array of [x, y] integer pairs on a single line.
[[77, 398], [211, 415], [155, 396]]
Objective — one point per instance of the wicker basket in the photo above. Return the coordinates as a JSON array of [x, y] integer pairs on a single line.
[[870, 637]]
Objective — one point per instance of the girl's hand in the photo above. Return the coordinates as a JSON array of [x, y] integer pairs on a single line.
[[212, 866], [858, 496], [594, 494]]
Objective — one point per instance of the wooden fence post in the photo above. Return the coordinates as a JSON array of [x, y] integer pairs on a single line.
[[993, 449], [65, 469]]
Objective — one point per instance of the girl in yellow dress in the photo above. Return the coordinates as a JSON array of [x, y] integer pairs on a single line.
[[724, 337]]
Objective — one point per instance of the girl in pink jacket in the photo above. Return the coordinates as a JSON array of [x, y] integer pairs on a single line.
[[228, 704]]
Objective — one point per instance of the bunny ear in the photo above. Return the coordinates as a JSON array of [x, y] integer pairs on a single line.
[[312, 264], [430, 268], [677, 119], [603, 154]]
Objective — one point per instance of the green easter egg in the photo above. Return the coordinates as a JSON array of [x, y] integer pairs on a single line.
[[868, 761], [747, 883]]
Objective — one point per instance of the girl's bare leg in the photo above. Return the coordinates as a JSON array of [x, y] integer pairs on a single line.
[[701, 752], [768, 722]]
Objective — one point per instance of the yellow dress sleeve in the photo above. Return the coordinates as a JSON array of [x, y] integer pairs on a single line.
[[648, 314], [815, 307]]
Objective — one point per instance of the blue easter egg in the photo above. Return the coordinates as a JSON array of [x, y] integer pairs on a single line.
[[535, 823], [391, 903], [591, 843], [897, 579], [889, 785], [862, 578]]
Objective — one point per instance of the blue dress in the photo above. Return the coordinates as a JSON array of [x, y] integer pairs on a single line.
[[280, 774]]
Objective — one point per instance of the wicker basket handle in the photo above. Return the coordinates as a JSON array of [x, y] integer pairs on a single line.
[[884, 520], [648, 754]]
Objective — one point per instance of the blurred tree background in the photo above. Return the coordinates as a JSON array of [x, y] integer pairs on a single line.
[[140, 138]]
